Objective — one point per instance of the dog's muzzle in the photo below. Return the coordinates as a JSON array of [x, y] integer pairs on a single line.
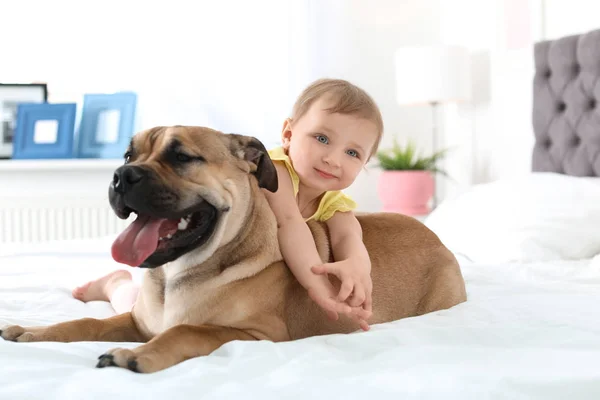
[[162, 230]]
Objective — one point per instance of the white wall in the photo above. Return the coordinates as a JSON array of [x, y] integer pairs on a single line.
[[467, 126], [569, 17], [492, 134]]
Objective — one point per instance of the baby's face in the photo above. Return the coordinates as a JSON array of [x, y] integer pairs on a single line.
[[327, 150]]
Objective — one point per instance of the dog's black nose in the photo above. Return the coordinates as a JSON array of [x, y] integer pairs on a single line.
[[125, 177]]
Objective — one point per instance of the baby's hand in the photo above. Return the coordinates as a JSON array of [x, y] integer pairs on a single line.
[[322, 292], [356, 284]]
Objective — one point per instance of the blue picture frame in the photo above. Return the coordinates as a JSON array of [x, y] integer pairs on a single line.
[[30, 117], [94, 105]]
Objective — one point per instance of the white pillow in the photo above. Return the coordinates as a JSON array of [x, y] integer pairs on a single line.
[[536, 217]]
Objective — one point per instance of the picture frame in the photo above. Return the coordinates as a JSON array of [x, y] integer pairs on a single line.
[[107, 125], [11, 95], [44, 131]]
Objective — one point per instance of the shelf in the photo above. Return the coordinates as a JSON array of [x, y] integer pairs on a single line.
[[60, 164]]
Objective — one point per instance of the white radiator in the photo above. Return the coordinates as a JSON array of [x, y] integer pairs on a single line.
[[48, 200], [30, 224]]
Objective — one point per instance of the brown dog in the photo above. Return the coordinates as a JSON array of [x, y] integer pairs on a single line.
[[209, 238]]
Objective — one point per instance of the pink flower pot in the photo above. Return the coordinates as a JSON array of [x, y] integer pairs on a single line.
[[406, 192]]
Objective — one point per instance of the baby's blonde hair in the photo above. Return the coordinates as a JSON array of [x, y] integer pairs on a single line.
[[346, 98]]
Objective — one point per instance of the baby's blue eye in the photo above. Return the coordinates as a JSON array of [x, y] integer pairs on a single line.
[[322, 139], [352, 153]]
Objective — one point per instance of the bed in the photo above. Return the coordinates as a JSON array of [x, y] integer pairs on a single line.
[[529, 249]]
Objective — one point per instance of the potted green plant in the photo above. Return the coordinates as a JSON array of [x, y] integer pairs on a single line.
[[407, 184]]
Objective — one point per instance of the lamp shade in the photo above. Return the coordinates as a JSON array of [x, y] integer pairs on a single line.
[[432, 75]]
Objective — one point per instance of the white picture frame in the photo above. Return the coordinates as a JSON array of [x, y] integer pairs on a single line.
[[11, 95]]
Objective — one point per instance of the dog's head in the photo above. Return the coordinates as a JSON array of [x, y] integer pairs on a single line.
[[184, 184]]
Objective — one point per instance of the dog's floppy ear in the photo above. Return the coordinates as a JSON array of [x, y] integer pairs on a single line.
[[252, 150]]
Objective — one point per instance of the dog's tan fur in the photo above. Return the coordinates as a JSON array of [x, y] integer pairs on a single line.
[[236, 286]]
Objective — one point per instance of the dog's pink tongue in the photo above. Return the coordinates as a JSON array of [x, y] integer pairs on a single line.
[[138, 241]]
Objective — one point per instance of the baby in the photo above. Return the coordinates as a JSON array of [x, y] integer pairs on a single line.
[[334, 130]]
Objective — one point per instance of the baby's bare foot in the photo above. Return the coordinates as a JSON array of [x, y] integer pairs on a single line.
[[101, 289]]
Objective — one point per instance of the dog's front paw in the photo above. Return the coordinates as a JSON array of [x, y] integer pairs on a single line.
[[16, 333], [129, 359]]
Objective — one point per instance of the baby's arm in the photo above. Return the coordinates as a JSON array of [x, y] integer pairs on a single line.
[[353, 265], [298, 247]]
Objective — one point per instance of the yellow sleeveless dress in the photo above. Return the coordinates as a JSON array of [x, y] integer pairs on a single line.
[[331, 202]]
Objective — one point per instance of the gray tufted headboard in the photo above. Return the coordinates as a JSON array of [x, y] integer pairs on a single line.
[[566, 105]]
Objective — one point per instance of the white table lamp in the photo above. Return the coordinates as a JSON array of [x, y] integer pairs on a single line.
[[431, 76]]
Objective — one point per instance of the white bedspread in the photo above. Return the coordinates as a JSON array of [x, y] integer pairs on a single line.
[[527, 331]]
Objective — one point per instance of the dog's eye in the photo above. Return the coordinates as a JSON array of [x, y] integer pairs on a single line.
[[127, 157], [183, 157]]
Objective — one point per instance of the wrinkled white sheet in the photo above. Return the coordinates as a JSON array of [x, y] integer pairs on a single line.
[[527, 331]]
